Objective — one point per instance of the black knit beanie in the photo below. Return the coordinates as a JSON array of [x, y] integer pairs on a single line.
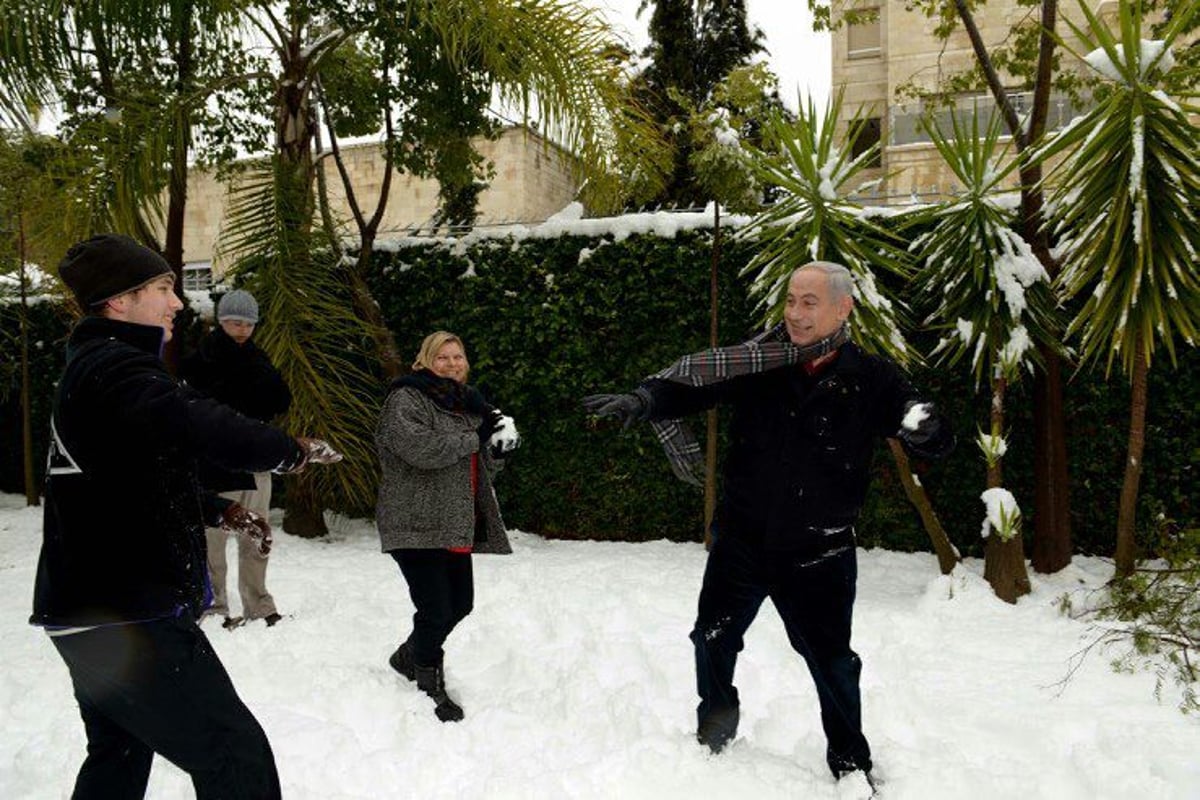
[[104, 266]]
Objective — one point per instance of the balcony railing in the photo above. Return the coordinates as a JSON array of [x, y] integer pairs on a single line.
[[906, 125]]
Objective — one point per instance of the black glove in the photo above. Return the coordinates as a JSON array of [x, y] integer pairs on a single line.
[[491, 421], [623, 407], [242, 521], [921, 429]]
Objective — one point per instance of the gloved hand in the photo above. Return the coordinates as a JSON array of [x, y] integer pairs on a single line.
[[491, 421], [505, 438], [623, 407], [920, 428], [312, 451], [242, 521]]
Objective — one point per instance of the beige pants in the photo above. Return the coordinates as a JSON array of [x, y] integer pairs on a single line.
[[252, 565]]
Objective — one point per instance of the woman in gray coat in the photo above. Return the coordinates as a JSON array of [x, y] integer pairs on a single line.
[[440, 444]]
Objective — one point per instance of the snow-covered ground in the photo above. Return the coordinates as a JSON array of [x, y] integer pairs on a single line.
[[576, 675]]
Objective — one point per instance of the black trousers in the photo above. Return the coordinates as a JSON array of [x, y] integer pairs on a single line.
[[442, 587], [815, 599], [158, 687]]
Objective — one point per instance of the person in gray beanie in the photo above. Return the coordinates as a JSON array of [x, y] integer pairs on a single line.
[[230, 368], [121, 577], [238, 305]]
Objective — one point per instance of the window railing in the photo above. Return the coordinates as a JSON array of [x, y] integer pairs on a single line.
[[907, 125]]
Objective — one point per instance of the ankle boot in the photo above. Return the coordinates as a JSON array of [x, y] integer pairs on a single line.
[[402, 661], [431, 681]]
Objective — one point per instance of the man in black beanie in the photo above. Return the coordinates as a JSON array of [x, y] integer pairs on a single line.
[[121, 578]]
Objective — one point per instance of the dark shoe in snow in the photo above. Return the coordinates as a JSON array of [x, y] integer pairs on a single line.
[[272, 618], [233, 622], [431, 681], [402, 662], [718, 728]]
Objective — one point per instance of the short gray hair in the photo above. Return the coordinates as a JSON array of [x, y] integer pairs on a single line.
[[841, 282]]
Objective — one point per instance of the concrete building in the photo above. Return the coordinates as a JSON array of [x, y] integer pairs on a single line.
[[533, 180], [878, 64]]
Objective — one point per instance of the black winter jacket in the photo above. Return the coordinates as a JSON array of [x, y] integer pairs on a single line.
[[241, 377], [799, 458], [123, 527]]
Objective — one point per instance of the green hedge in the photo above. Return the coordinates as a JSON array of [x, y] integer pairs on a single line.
[[545, 326], [547, 321]]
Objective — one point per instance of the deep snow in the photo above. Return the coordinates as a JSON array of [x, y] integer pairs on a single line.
[[575, 671]]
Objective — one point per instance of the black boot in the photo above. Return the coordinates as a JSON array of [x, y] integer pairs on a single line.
[[402, 661], [431, 681], [718, 728]]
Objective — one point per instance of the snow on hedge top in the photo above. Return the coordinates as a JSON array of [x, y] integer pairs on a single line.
[[570, 222]]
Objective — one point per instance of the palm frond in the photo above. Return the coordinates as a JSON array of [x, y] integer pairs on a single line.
[[552, 61], [1124, 199], [309, 329], [980, 281]]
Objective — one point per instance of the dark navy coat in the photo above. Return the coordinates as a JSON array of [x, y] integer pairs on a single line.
[[799, 458], [123, 533]]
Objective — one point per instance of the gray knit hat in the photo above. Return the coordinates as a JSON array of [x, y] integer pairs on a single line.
[[238, 304]]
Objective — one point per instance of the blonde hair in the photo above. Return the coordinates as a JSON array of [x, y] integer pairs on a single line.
[[430, 347]]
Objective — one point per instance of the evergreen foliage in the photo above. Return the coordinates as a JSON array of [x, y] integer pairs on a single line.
[[694, 45], [549, 320]]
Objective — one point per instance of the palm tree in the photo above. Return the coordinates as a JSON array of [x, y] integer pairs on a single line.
[[991, 296], [543, 57], [1124, 201], [105, 66]]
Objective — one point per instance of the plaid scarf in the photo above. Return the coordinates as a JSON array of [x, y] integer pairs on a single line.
[[769, 350]]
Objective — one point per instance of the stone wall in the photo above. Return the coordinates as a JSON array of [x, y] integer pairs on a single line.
[[533, 180]]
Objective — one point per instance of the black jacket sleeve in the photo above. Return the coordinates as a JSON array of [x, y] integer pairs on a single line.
[[671, 400], [173, 414]]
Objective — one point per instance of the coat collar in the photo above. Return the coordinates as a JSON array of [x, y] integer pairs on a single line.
[[148, 338]]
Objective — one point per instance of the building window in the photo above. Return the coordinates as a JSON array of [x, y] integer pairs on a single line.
[[862, 38], [197, 276], [865, 134]]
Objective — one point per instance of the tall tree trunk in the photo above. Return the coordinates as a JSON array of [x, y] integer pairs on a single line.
[[947, 555], [1003, 561], [302, 512], [1052, 505], [710, 444], [177, 179], [295, 128], [1127, 512], [32, 496], [1051, 495]]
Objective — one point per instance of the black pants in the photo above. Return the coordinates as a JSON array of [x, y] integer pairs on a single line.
[[442, 588], [158, 687], [815, 599]]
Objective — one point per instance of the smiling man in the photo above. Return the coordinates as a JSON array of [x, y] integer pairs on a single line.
[[809, 408], [121, 577]]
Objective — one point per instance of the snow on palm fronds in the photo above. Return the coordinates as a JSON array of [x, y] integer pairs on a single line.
[[815, 221], [1123, 200], [980, 281]]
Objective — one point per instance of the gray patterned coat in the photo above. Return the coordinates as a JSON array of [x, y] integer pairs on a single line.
[[425, 492]]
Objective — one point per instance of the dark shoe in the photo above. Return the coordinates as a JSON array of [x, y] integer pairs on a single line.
[[718, 728], [431, 681], [402, 662], [271, 619], [233, 622]]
